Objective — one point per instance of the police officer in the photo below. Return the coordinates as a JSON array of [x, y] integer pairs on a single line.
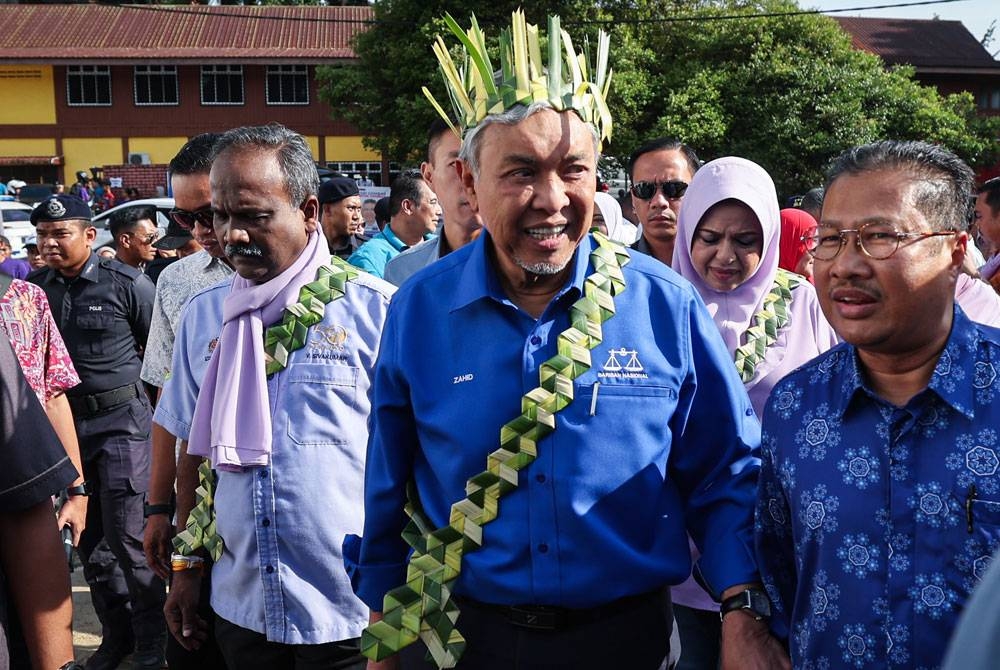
[[103, 308]]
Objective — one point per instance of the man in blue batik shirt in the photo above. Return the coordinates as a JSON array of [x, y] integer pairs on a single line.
[[659, 441], [879, 499]]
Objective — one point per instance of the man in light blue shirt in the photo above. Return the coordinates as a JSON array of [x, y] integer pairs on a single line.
[[461, 223], [415, 211], [279, 588]]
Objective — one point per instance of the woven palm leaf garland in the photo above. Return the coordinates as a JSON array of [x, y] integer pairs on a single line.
[[422, 608], [280, 340], [765, 325]]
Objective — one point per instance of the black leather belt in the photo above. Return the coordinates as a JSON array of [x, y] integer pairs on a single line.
[[546, 617], [86, 405]]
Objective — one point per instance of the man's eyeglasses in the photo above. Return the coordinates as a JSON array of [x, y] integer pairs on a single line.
[[186, 219], [876, 240], [146, 239], [645, 190]]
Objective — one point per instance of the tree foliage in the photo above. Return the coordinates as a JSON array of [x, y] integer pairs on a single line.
[[787, 91]]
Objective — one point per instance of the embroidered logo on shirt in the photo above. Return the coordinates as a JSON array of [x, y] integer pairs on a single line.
[[623, 363], [211, 348], [327, 343], [95, 308], [468, 377]]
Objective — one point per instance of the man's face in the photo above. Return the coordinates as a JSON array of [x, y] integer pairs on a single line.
[[426, 213], [138, 244], [342, 218], [535, 191], [5, 251], [262, 232], [193, 193], [442, 176], [897, 305], [34, 257], [987, 220], [65, 245], [368, 212], [658, 215]]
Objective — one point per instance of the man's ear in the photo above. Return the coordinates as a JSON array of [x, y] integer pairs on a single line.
[[468, 184], [958, 250], [427, 172], [310, 212]]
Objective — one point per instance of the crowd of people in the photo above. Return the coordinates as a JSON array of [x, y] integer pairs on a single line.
[[512, 424]]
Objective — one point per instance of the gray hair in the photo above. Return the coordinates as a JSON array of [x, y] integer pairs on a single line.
[[469, 153], [943, 182], [295, 158]]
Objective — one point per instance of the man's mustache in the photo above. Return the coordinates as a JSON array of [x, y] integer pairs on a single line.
[[244, 250]]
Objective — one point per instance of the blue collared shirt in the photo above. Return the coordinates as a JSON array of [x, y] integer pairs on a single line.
[[283, 525], [374, 254], [875, 522], [661, 439]]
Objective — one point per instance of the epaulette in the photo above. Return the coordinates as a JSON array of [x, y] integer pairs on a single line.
[[121, 268]]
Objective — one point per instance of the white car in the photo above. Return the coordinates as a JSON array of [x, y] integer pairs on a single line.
[[16, 225], [101, 221]]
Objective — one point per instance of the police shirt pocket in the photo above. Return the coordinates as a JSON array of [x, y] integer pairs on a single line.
[[93, 321], [319, 397]]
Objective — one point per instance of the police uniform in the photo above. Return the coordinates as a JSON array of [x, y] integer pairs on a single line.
[[103, 315]]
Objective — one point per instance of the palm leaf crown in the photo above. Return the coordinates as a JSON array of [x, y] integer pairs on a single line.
[[568, 81]]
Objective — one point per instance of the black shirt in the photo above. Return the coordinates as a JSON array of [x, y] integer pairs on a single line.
[[103, 315], [34, 462]]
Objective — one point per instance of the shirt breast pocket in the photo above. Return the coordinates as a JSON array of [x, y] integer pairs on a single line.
[[94, 322], [321, 404]]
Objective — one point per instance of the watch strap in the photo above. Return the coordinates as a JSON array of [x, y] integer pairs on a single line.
[[161, 508], [82, 489], [753, 601]]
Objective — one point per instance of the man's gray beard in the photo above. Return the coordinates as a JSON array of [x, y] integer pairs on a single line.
[[541, 268]]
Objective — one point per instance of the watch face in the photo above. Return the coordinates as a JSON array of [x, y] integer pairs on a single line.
[[760, 603]]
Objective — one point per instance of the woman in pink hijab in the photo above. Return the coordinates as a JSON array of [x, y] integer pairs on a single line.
[[792, 254], [728, 239]]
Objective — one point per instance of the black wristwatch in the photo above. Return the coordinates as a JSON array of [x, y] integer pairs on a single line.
[[753, 601], [162, 508], [72, 665], [79, 490]]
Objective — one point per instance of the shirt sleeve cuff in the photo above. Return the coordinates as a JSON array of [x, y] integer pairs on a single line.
[[370, 582], [176, 427], [729, 563]]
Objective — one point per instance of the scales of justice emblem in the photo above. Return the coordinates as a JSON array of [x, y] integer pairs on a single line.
[[613, 367]]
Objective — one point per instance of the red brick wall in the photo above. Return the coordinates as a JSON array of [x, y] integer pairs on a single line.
[[143, 177]]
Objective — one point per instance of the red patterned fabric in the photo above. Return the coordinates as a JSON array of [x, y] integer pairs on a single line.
[[27, 320]]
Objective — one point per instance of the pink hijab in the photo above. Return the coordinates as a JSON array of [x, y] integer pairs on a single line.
[[795, 224], [724, 179]]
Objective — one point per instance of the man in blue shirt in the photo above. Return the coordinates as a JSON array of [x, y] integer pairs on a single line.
[[283, 420], [659, 441], [879, 501], [415, 211]]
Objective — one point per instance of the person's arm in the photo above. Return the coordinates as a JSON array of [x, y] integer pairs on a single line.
[[391, 663], [74, 511], [34, 563], [181, 608], [159, 529]]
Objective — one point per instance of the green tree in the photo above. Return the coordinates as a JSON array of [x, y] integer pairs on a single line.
[[787, 91]]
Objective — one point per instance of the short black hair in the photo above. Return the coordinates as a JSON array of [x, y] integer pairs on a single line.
[[405, 187], [991, 189], [665, 144], [126, 219], [437, 128], [195, 157], [943, 182]]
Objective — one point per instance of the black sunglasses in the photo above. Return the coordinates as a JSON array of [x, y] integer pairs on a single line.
[[186, 219], [645, 190]]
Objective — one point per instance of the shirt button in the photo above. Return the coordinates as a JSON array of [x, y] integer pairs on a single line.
[[540, 479], [265, 523], [535, 340], [543, 548], [269, 569]]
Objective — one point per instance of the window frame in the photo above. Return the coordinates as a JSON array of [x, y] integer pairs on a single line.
[[74, 72], [225, 69], [164, 71], [285, 70]]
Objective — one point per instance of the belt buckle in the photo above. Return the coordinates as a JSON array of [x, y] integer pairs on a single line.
[[534, 618]]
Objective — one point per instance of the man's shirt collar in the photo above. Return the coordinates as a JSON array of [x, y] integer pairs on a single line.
[[957, 361]]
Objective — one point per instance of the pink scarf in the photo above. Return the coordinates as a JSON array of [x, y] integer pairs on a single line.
[[232, 418]]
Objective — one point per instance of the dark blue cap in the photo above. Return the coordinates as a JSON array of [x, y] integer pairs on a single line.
[[336, 189], [61, 207]]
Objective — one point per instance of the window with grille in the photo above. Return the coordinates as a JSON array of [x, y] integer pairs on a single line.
[[156, 85], [222, 84], [287, 85], [88, 85]]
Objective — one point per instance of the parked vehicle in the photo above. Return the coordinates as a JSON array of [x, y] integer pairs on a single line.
[[162, 205]]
